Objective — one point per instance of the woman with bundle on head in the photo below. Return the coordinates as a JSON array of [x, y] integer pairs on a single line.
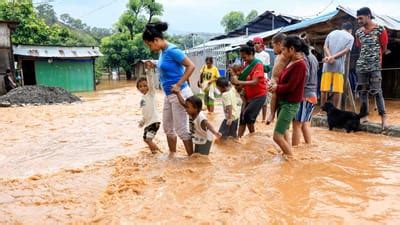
[[253, 81], [175, 69]]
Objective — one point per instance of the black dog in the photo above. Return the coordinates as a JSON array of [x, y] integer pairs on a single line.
[[344, 119]]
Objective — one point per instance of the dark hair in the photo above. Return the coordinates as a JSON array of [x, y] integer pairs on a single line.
[[365, 11], [279, 37], [196, 102], [140, 80], [154, 30], [248, 48], [222, 82], [210, 59], [347, 26], [297, 43]]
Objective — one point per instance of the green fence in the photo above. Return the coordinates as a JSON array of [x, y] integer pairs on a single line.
[[73, 75]]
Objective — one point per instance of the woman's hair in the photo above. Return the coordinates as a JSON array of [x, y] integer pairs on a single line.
[[210, 59], [222, 82], [154, 30], [8, 71], [248, 48], [278, 38], [140, 80], [196, 102], [297, 43]]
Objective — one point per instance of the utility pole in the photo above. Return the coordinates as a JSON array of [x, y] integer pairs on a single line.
[[273, 20], [193, 37]]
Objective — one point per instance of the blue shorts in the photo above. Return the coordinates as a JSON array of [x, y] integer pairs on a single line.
[[305, 112]]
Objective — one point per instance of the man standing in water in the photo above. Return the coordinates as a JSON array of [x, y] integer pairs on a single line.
[[373, 40], [337, 44]]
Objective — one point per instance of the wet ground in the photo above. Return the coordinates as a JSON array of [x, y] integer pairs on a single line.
[[86, 163]]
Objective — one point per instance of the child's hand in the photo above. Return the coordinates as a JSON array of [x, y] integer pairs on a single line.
[[175, 89], [218, 136]]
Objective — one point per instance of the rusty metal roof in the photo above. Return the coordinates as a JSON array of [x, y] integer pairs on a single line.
[[56, 51]]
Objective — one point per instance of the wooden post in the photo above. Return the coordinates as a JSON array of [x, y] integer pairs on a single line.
[[348, 92]]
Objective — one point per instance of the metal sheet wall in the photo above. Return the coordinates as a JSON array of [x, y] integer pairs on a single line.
[[75, 76]]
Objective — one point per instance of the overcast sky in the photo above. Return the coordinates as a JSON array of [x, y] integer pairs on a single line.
[[205, 15]]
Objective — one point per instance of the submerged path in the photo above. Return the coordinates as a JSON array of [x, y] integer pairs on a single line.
[[86, 163]]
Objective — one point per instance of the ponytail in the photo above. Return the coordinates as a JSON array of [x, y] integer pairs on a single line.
[[297, 43], [248, 48], [154, 30]]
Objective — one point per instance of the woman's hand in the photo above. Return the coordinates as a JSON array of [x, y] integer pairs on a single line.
[[176, 88], [235, 80], [272, 88]]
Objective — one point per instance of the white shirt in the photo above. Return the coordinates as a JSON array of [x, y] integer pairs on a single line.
[[199, 135], [265, 59], [148, 105]]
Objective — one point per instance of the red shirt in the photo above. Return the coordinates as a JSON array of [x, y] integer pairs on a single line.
[[291, 82], [260, 88]]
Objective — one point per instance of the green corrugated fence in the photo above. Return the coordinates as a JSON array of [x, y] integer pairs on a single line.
[[73, 75]]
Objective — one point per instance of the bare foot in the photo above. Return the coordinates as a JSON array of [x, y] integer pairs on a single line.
[[155, 151], [384, 122]]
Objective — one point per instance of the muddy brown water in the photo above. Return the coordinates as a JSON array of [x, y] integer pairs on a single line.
[[85, 163]]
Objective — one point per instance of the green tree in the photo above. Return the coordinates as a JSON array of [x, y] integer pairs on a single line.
[[46, 12], [233, 20], [72, 22], [251, 16], [126, 46], [31, 29]]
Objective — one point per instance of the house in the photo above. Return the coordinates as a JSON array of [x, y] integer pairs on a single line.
[[315, 31], [139, 69], [6, 55], [269, 20], [72, 68]]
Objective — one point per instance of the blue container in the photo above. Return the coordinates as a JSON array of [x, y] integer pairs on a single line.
[[222, 73]]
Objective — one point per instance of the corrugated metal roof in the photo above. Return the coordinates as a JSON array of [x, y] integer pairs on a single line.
[[236, 41], [266, 21], [383, 20], [56, 51], [310, 22], [386, 21]]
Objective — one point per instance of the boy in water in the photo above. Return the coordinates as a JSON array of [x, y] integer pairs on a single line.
[[229, 126], [200, 128], [151, 120], [280, 64]]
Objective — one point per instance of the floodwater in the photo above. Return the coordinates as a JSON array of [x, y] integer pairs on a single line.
[[85, 163]]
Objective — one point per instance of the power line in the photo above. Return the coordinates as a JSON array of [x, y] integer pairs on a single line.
[[99, 8], [325, 8]]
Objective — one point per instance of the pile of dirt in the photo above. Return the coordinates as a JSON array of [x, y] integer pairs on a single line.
[[37, 95]]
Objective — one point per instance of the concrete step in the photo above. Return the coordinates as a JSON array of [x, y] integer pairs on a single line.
[[370, 127]]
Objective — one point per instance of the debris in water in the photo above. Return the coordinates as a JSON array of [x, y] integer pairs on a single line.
[[37, 95]]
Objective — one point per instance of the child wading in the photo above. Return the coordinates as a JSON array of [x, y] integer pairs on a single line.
[[230, 124], [201, 130], [289, 89], [151, 119]]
